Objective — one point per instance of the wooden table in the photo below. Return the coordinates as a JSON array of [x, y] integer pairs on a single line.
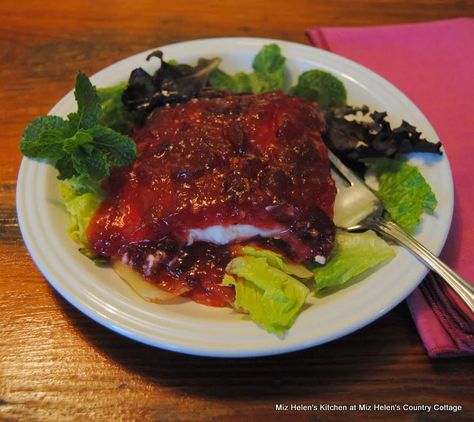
[[57, 364]]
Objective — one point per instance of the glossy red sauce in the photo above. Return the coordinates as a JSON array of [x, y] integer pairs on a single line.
[[241, 159]]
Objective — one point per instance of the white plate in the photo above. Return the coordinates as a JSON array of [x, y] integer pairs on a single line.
[[196, 329]]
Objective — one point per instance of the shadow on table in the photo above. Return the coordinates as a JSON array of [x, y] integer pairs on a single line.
[[352, 363]]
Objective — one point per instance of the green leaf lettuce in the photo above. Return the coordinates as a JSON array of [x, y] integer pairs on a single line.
[[403, 191], [114, 114], [272, 298], [323, 87], [268, 74], [353, 254], [277, 260], [81, 208]]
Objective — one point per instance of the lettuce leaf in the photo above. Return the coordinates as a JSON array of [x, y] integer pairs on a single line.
[[272, 298], [81, 207], [278, 261], [268, 74], [323, 87], [403, 191], [357, 133], [269, 66], [353, 254], [239, 82], [171, 83], [114, 114]]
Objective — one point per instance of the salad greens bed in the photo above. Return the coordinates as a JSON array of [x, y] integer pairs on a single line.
[[269, 288]]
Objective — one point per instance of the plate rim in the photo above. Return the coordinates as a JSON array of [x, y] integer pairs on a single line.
[[103, 320]]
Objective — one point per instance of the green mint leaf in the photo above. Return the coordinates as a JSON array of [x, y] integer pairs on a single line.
[[88, 105], [81, 137], [119, 149], [90, 162], [40, 124], [82, 151], [73, 124], [403, 191], [65, 168], [48, 146], [42, 138]]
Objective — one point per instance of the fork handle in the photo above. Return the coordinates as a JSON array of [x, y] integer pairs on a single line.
[[394, 232]]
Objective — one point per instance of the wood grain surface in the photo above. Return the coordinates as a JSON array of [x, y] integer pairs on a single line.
[[57, 364]]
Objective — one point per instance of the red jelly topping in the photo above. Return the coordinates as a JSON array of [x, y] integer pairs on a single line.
[[241, 159]]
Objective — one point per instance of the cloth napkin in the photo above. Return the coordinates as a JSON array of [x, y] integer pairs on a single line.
[[433, 64]]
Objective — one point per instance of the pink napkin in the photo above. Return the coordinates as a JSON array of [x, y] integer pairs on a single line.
[[433, 64]]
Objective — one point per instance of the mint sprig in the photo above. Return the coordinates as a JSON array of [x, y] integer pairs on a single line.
[[88, 104], [79, 147]]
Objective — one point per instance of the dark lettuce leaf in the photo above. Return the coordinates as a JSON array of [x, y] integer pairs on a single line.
[[171, 83], [139, 91], [354, 139]]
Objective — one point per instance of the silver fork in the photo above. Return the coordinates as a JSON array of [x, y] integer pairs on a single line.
[[358, 209]]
